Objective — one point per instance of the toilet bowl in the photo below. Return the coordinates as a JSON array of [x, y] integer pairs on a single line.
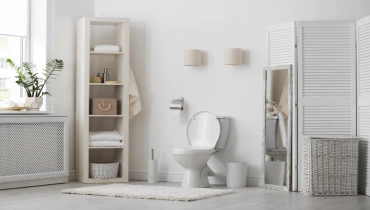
[[206, 134]]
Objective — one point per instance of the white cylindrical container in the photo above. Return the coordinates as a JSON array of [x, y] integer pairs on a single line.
[[236, 175], [152, 171]]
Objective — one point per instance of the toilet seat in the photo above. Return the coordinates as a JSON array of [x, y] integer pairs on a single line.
[[193, 151], [203, 130]]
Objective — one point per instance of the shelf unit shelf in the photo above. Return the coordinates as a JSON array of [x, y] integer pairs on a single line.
[[113, 180], [105, 147], [92, 31], [106, 53], [106, 84], [94, 115]]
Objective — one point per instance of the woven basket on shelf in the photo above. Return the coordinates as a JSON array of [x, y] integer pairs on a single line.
[[104, 170], [329, 165]]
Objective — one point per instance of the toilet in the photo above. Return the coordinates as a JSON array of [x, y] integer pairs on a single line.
[[206, 133]]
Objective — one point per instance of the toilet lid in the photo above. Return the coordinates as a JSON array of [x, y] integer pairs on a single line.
[[203, 130]]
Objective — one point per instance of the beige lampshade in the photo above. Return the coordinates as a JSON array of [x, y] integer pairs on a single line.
[[192, 57], [233, 56]]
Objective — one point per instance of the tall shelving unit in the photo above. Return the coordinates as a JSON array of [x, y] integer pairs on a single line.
[[93, 31]]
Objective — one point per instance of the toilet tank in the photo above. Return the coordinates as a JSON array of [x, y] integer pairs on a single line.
[[224, 132]]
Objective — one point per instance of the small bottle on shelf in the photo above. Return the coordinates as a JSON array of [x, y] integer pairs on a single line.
[[96, 79], [105, 75]]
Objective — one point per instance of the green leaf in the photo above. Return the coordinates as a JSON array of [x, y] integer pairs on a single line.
[[51, 66], [28, 76]]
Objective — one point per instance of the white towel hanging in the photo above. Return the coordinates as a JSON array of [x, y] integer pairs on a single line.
[[134, 96]]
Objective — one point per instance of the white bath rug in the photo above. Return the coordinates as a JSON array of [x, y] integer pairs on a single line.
[[149, 192]]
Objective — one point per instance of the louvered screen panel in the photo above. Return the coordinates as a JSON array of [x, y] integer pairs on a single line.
[[363, 91], [364, 149], [281, 44], [281, 41], [327, 120], [326, 64], [326, 79], [363, 43]]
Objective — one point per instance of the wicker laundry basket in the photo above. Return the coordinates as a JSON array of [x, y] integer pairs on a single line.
[[329, 165], [104, 170]]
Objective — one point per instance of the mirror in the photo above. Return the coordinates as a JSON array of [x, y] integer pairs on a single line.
[[277, 127]]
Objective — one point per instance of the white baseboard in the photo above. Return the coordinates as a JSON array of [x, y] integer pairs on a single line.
[[167, 177], [32, 183], [163, 177]]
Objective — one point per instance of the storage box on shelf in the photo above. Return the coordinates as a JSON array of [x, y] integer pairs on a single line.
[[104, 106], [105, 163], [104, 170], [113, 97]]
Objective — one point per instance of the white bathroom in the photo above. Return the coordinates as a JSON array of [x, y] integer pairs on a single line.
[[197, 121]]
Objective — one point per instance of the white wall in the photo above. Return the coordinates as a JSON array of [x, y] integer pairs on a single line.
[[160, 31], [63, 89]]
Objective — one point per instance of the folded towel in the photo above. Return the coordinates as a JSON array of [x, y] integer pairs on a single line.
[[105, 136], [7, 103], [105, 144], [106, 48]]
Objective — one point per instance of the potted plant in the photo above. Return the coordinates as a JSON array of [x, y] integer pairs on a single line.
[[29, 79]]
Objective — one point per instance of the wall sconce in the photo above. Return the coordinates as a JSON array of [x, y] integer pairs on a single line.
[[233, 56], [192, 57]]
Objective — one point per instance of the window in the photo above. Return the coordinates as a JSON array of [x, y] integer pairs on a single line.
[[10, 47], [14, 38]]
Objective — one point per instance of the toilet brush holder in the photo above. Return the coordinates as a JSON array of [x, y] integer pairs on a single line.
[[152, 171]]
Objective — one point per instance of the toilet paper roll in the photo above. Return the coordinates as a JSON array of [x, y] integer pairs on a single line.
[[175, 112], [271, 110]]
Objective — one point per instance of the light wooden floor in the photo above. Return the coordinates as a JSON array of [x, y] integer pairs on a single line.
[[48, 197]]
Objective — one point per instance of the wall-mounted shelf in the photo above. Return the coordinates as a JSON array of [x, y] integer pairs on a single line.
[[92, 31], [106, 53]]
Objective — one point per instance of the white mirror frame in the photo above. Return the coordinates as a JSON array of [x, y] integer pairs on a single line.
[[288, 186]]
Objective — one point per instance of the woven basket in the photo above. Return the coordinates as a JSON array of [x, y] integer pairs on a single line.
[[329, 165], [103, 170]]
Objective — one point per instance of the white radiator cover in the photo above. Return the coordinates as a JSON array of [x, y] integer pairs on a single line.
[[33, 150]]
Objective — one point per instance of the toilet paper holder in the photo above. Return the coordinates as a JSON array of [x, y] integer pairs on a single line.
[[177, 104]]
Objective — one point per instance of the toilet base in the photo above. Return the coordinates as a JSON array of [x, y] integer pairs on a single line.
[[195, 178]]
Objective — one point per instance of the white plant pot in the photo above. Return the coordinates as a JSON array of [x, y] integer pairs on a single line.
[[33, 103]]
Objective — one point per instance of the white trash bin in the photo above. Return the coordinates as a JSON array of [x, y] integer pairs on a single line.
[[236, 175]]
